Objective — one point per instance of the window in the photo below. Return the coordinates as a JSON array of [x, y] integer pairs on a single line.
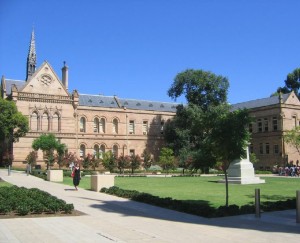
[[115, 151], [261, 148], [96, 151], [96, 125], [267, 148], [259, 125], [276, 149], [34, 121], [295, 121], [82, 151], [131, 127], [251, 148], [82, 124], [145, 127], [162, 124], [266, 125], [102, 125], [115, 126], [102, 151], [55, 123], [45, 122], [275, 124], [250, 127], [131, 152]]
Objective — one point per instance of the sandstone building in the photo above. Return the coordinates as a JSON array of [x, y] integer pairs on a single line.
[[90, 124], [87, 124]]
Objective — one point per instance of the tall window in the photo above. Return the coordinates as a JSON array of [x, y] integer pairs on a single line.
[[131, 127], [82, 124], [45, 122], [267, 148], [102, 151], [115, 126], [251, 148], [34, 121], [259, 125], [295, 120], [115, 150], [96, 125], [102, 125], [162, 125], [261, 148], [55, 123], [250, 127], [82, 151], [145, 127], [266, 125], [96, 151], [275, 123], [276, 149]]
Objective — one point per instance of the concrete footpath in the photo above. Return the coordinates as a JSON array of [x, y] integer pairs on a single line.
[[111, 219]]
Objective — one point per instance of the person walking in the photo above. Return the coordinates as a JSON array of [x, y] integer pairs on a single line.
[[76, 176]]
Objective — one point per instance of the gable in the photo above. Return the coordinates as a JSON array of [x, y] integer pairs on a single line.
[[45, 81], [292, 99]]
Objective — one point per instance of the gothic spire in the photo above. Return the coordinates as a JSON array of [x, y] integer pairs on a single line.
[[31, 58]]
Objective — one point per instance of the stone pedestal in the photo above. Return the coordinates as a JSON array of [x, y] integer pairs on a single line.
[[100, 181], [55, 175], [241, 171]]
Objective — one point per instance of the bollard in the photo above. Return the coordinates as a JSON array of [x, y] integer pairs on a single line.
[[257, 203], [298, 206], [9, 170]]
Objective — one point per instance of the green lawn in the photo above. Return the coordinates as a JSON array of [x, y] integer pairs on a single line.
[[205, 188], [208, 190]]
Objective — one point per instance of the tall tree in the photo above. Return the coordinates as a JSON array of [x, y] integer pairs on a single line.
[[292, 137], [292, 83], [13, 125], [166, 159], [200, 87], [230, 137], [109, 161]]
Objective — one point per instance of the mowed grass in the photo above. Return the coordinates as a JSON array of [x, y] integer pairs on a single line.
[[208, 190], [205, 189]]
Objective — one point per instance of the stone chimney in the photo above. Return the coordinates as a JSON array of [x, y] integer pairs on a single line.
[[65, 75]]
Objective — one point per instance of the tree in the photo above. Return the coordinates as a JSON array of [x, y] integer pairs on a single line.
[[166, 159], [230, 136], [292, 83], [31, 158], [95, 161], [123, 162], [13, 125], [61, 148], [292, 137], [200, 87], [109, 161], [86, 163], [135, 162], [48, 144], [147, 159]]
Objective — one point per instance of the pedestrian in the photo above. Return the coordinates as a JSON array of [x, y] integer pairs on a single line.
[[76, 176]]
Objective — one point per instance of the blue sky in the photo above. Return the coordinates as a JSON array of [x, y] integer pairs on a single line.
[[135, 48]]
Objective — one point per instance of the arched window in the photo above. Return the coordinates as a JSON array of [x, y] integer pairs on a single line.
[[96, 125], [102, 151], [45, 122], [82, 124], [55, 123], [34, 121], [96, 151], [115, 126], [102, 125], [115, 151], [82, 151]]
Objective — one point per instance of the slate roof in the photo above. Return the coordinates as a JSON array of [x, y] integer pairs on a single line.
[[116, 102], [9, 82], [260, 102]]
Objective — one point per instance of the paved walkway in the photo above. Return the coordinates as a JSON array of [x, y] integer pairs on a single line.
[[112, 219]]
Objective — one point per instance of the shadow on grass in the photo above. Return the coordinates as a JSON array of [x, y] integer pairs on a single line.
[[271, 197]]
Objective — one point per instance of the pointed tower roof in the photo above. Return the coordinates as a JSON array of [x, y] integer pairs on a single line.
[[31, 58]]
